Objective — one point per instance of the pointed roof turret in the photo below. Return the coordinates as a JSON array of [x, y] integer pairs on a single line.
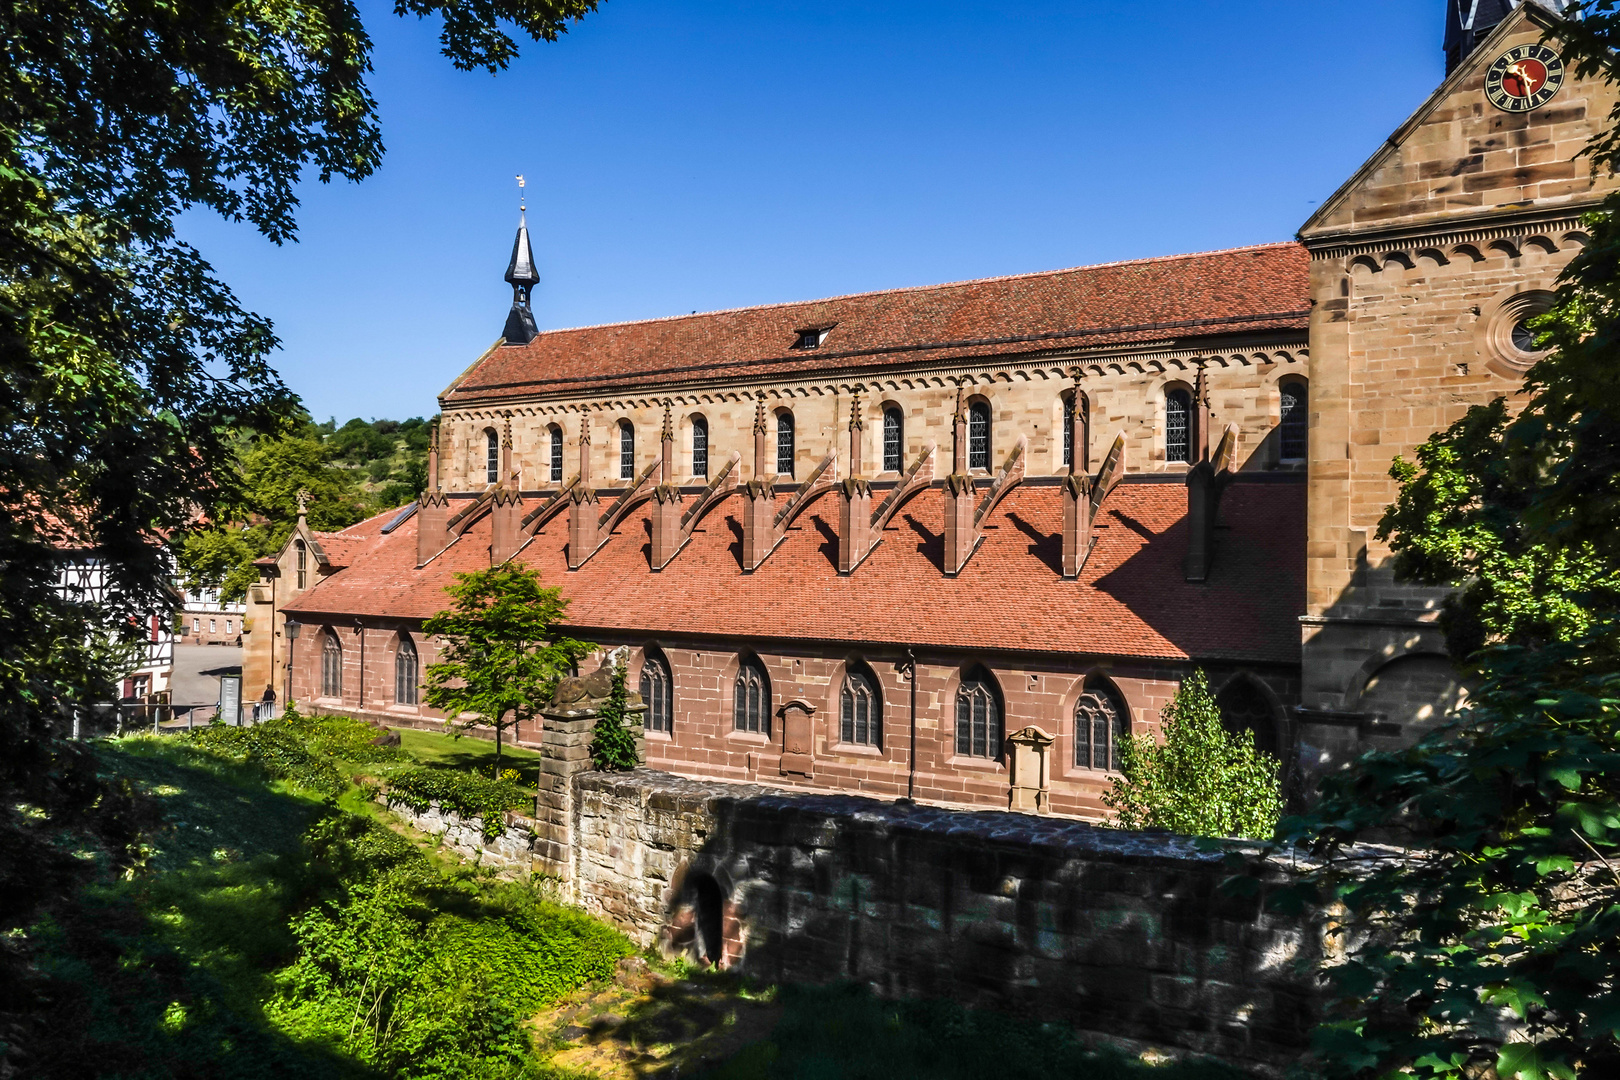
[[522, 276], [1469, 21]]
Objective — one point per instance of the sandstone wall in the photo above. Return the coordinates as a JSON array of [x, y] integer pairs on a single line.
[[1123, 935]]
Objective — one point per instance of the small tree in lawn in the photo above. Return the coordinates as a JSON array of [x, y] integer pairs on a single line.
[[501, 655], [1202, 780], [613, 743]]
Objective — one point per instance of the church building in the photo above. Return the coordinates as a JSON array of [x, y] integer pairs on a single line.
[[954, 543]]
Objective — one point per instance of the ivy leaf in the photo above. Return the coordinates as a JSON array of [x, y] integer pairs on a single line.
[[1516, 995]]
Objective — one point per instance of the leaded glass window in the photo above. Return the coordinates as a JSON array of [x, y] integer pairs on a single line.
[[331, 666], [894, 440], [1178, 426], [751, 705], [656, 695], [784, 443], [978, 718], [627, 451], [405, 672], [556, 454], [303, 563], [700, 446], [1101, 723], [979, 436], [860, 711], [492, 457], [1295, 419]]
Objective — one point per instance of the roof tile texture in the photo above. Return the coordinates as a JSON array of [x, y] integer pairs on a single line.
[[1131, 600], [1173, 298]]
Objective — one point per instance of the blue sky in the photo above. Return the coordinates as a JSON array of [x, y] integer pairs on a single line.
[[685, 156]]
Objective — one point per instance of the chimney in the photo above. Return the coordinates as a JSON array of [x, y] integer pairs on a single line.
[[582, 513], [506, 512], [666, 516], [855, 499], [432, 510], [959, 494]]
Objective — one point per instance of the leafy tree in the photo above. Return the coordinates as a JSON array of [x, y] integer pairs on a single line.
[[613, 743], [1492, 939], [1202, 780], [501, 651]]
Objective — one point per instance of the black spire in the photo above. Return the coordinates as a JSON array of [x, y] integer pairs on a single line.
[[521, 275], [1467, 23]]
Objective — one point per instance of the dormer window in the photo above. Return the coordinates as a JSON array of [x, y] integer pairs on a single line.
[[811, 338]]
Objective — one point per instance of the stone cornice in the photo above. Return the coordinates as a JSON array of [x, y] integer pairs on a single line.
[[1482, 228]]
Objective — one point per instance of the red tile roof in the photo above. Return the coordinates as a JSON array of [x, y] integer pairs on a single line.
[[1175, 298], [1132, 599], [342, 548]]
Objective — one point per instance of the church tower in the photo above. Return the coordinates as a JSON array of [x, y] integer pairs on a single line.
[[1468, 22], [521, 275]]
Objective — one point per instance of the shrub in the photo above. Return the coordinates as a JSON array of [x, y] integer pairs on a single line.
[[278, 749], [613, 743], [468, 794], [1202, 780]]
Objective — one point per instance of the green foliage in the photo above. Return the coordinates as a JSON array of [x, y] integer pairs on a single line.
[[468, 794], [1202, 780], [306, 751], [842, 1031], [500, 653], [613, 741]]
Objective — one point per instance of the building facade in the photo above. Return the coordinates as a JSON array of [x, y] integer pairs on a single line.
[[880, 543]]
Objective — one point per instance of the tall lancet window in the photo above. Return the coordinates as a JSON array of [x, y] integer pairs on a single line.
[[627, 451], [784, 443], [979, 435], [556, 454], [1178, 426], [492, 457], [700, 446], [894, 440], [1291, 437]]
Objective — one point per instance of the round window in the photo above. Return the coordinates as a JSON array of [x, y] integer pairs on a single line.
[[1503, 333], [1524, 338]]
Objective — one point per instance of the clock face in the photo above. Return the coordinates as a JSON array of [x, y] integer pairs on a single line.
[[1524, 78]]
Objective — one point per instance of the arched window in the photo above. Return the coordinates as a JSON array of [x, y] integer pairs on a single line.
[[556, 454], [894, 440], [656, 694], [978, 717], [1245, 707], [405, 672], [700, 446], [1177, 426], [1295, 421], [784, 443], [331, 666], [627, 451], [751, 709], [860, 710], [302, 552], [1101, 722], [979, 435], [492, 457]]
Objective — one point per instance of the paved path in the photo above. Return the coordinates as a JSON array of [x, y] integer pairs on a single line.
[[197, 669]]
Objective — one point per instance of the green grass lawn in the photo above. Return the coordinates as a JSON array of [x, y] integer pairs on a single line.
[[470, 753]]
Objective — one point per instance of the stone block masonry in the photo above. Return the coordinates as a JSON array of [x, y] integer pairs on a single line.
[[1123, 935]]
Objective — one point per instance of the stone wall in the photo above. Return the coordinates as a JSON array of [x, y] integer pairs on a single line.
[[512, 852], [1126, 936]]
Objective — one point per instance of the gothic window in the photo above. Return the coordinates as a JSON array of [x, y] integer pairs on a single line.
[[1178, 426], [751, 710], [656, 695], [979, 435], [978, 717], [331, 666], [1295, 417], [405, 672], [1245, 707], [302, 553], [700, 446], [784, 443], [627, 451], [1101, 722], [492, 457], [894, 440], [860, 710], [556, 454]]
